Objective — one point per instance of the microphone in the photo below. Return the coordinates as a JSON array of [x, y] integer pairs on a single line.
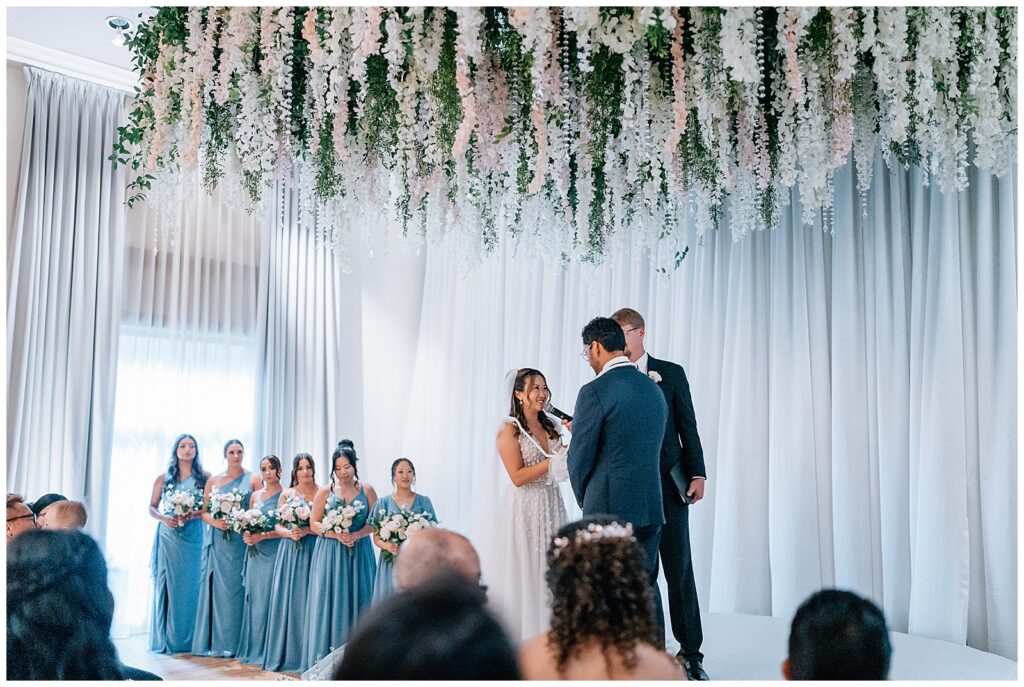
[[561, 415]]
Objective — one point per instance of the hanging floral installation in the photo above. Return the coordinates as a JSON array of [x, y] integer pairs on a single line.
[[569, 129]]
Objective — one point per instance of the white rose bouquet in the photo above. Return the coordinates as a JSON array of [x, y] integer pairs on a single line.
[[253, 521], [294, 513], [176, 503], [339, 519], [398, 527], [223, 503]]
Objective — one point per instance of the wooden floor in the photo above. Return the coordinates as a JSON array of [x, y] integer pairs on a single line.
[[133, 652]]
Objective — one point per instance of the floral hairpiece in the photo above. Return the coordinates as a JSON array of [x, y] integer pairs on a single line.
[[595, 532]]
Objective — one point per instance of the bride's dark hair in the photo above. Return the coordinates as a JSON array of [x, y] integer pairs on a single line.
[[599, 592], [516, 411]]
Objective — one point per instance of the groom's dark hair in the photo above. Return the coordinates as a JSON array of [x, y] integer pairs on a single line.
[[606, 332]]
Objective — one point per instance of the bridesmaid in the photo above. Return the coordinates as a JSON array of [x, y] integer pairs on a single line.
[[341, 574], [259, 569], [286, 621], [219, 613], [403, 477], [177, 548]]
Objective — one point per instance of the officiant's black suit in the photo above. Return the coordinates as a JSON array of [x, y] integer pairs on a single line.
[[614, 456], [680, 446]]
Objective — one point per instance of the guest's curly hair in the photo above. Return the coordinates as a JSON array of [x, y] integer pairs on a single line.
[[599, 593]]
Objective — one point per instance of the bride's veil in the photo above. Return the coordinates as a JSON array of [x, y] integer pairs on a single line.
[[494, 506]]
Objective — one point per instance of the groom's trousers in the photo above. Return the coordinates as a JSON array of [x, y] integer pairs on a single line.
[[649, 539]]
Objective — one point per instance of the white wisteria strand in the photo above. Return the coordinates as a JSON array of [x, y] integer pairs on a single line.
[[572, 132]]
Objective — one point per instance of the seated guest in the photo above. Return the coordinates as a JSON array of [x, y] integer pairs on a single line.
[[41, 504], [837, 635], [64, 515], [431, 551], [59, 610], [439, 630], [602, 613], [20, 517]]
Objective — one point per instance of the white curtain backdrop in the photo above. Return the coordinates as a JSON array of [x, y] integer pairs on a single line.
[[64, 292], [855, 395], [186, 364]]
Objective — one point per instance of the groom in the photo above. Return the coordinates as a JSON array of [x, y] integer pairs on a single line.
[[614, 454]]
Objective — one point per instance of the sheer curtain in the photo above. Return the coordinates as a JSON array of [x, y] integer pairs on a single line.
[[63, 293], [186, 363], [854, 393]]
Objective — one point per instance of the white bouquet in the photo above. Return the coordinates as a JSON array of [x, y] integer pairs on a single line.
[[253, 521], [340, 518], [178, 503], [223, 503], [294, 513], [398, 527]]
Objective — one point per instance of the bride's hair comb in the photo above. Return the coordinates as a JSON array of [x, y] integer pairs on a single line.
[[595, 532]]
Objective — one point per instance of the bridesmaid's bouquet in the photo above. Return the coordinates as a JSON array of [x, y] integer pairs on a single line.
[[178, 503], [398, 527], [253, 521], [222, 504], [295, 513], [340, 518]]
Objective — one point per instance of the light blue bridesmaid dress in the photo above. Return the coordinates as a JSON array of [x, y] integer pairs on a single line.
[[221, 597], [340, 587], [286, 619], [175, 565], [259, 577], [384, 585]]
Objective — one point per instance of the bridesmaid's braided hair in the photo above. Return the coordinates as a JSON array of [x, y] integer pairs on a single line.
[[173, 474], [600, 592], [516, 411], [347, 450]]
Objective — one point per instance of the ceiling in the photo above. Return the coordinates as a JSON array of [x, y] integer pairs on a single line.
[[77, 36]]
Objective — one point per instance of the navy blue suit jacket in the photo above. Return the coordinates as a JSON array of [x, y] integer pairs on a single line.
[[614, 455]]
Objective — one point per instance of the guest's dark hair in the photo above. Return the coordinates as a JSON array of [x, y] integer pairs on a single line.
[[295, 466], [523, 376], [599, 592], [59, 609], [173, 474], [228, 443], [606, 332], [275, 463], [347, 450], [837, 635], [399, 461], [445, 633]]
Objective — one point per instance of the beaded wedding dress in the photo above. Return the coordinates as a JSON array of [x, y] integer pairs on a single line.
[[534, 513]]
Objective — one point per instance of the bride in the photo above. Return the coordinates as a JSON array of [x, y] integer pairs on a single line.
[[527, 442]]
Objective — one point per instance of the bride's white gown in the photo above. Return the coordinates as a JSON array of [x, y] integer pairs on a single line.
[[534, 514]]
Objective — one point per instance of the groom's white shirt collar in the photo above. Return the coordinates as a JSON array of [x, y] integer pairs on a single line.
[[617, 361]]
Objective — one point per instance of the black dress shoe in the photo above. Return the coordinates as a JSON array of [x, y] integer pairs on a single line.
[[695, 671]]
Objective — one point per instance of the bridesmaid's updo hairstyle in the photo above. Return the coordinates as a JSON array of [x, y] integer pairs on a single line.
[[522, 384], [228, 445], [347, 450], [394, 466], [299, 457], [173, 474], [275, 463]]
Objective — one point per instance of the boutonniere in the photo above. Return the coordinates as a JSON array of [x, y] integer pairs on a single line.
[[655, 376]]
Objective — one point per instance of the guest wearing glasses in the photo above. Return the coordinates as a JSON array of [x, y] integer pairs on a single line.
[[20, 517]]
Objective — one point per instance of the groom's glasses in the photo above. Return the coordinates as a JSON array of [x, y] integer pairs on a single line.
[[584, 352]]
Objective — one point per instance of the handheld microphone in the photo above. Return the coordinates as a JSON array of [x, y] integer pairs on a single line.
[[561, 415]]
